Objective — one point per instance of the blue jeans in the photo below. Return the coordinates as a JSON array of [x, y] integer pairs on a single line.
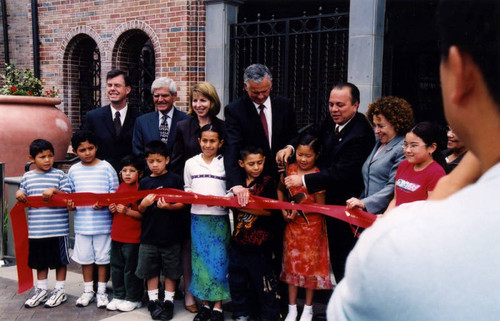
[[252, 273]]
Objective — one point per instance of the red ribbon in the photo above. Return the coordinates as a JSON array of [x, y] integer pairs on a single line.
[[20, 226]]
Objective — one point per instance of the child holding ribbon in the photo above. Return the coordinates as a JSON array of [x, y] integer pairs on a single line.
[[306, 261], [204, 174]]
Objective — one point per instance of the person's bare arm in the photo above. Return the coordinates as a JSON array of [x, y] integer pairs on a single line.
[[467, 172]]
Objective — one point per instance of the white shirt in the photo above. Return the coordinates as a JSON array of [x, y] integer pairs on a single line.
[[206, 179], [170, 114], [269, 117], [427, 260], [123, 113]]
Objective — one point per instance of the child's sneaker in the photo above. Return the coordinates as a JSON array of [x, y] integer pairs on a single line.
[[85, 299], [102, 300], [204, 314], [39, 297], [113, 305], [127, 306], [57, 296]]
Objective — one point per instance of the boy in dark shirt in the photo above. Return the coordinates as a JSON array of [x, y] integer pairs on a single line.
[[250, 259], [160, 243]]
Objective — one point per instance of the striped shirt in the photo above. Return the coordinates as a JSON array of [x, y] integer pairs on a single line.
[[100, 178], [46, 221]]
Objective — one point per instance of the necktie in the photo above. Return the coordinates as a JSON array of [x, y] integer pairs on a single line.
[[263, 120], [164, 129], [117, 122], [337, 131]]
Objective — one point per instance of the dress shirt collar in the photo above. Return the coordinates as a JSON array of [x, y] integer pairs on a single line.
[[123, 113]]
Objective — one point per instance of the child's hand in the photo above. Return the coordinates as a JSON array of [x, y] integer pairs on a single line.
[[148, 200], [47, 194], [290, 215], [21, 197], [112, 208], [70, 205], [96, 206], [120, 208], [162, 204], [242, 194]]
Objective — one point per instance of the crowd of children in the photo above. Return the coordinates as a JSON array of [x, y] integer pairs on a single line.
[[142, 240]]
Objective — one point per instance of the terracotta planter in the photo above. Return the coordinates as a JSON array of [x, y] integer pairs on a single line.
[[24, 119]]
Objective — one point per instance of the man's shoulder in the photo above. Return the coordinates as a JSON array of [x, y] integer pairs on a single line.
[[146, 117], [98, 111], [179, 114], [280, 100]]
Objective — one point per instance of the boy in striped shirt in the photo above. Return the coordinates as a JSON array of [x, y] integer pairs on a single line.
[[92, 223], [48, 227]]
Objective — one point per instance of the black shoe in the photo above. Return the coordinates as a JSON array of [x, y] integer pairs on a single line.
[[203, 315], [156, 309], [168, 311], [217, 316]]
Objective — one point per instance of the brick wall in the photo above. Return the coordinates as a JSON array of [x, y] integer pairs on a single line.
[[175, 28]]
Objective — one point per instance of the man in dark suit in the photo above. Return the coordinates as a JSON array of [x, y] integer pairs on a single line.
[[161, 123], [347, 141], [113, 124], [257, 119]]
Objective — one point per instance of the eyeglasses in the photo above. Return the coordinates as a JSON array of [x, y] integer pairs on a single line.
[[411, 146]]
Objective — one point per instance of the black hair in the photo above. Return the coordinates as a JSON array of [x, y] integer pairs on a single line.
[[83, 136], [247, 150], [307, 138], [134, 161], [474, 27], [430, 134], [212, 128], [156, 147], [354, 90], [117, 72], [39, 145]]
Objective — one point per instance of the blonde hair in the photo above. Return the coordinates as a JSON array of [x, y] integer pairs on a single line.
[[208, 90]]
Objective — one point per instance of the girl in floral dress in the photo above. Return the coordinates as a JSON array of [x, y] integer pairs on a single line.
[[306, 261]]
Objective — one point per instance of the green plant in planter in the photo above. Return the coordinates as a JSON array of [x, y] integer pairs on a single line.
[[22, 82]]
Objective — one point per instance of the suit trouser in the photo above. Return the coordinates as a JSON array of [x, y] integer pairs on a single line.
[[341, 241]]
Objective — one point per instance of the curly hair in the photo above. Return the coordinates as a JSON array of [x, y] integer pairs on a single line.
[[397, 111]]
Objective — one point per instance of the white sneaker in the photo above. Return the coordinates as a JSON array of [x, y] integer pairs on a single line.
[[292, 314], [38, 297], [113, 305], [57, 296], [127, 306], [102, 300], [307, 313], [85, 299]]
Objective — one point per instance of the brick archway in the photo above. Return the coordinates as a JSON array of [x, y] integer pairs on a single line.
[[81, 76], [135, 48]]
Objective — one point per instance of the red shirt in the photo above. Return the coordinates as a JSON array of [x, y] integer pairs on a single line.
[[126, 229], [414, 186]]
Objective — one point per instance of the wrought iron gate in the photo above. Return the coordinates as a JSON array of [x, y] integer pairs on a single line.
[[90, 81], [306, 56]]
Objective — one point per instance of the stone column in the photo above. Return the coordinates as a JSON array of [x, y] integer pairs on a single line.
[[366, 44], [220, 14]]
